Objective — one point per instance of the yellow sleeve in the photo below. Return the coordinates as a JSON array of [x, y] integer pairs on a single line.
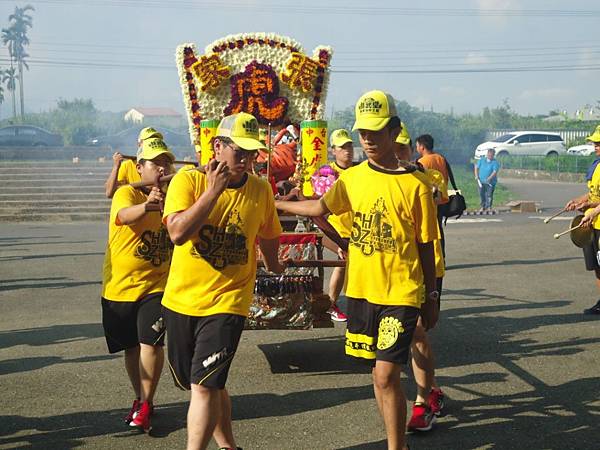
[[123, 176], [124, 198], [270, 228], [425, 216], [181, 194], [336, 198]]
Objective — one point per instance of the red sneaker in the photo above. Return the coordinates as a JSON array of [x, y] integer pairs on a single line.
[[422, 418], [436, 401], [142, 418], [336, 314], [132, 412]]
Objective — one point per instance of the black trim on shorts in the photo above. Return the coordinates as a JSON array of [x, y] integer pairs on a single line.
[[201, 349], [128, 324]]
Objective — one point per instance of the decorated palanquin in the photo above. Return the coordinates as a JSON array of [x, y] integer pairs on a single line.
[[272, 78]]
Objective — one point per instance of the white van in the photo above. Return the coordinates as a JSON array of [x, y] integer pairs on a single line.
[[526, 143]]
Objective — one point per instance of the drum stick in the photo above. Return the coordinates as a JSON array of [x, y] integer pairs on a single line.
[[556, 214], [557, 235], [310, 263], [134, 158], [161, 180]]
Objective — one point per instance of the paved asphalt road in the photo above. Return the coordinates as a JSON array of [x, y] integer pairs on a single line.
[[517, 359]]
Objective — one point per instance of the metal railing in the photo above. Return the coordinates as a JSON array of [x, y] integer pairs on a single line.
[[556, 164]]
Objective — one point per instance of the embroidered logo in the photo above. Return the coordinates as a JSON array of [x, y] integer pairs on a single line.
[[369, 106], [390, 329]]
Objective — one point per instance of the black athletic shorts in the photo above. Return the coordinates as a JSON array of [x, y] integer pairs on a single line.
[[127, 324], [201, 349], [377, 332], [590, 252]]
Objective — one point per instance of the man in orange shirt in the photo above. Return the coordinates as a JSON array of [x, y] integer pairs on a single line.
[[429, 159]]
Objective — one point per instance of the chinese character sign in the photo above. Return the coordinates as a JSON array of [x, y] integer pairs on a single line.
[[314, 151]]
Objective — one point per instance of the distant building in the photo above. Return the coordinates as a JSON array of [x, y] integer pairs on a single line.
[[164, 116], [585, 114]]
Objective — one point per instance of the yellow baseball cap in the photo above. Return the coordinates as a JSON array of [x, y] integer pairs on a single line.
[[242, 129], [595, 136], [152, 148], [403, 137], [374, 110], [340, 137], [147, 133]]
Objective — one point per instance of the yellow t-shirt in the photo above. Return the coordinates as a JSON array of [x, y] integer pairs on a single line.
[[187, 167], [342, 223], [137, 256], [214, 272], [128, 173], [435, 178], [392, 212], [594, 187]]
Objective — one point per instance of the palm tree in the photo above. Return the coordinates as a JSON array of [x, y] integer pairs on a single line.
[[15, 37], [10, 78], [1, 91]]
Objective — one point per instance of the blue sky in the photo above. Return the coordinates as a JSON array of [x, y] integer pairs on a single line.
[[431, 36]]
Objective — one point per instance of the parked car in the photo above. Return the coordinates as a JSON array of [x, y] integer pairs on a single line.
[[581, 150], [128, 138], [526, 143], [29, 136]]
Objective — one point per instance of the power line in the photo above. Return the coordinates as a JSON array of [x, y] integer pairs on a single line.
[[341, 70], [323, 9]]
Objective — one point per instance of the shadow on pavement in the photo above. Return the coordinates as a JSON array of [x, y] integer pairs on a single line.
[[54, 334], [34, 283], [20, 365], [510, 262], [69, 431], [52, 255], [527, 412]]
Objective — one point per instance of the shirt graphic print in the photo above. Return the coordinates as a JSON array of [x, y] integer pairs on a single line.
[[222, 246], [372, 231]]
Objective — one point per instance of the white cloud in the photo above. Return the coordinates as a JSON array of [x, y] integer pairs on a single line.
[[452, 91], [474, 58], [491, 10], [546, 94]]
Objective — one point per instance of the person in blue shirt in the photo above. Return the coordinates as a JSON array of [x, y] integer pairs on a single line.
[[486, 174]]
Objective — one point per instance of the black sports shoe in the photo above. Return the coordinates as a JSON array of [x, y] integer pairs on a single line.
[[595, 310]]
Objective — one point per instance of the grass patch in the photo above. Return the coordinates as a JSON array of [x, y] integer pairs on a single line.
[[465, 181]]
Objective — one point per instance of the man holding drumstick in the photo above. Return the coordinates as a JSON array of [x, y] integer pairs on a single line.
[[586, 202]]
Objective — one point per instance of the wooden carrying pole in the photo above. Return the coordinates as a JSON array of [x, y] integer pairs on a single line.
[[134, 158], [310, 263]]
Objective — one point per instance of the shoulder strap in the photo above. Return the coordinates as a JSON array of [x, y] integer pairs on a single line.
[[450, 174]]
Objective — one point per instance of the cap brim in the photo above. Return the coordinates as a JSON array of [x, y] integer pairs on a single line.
[[248, 144], [593, 137], [341, 142], [372, 124], [153, 154]]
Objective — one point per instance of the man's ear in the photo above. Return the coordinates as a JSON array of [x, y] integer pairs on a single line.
[[138, 167]]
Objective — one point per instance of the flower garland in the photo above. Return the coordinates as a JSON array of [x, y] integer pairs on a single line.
[[238, 52]]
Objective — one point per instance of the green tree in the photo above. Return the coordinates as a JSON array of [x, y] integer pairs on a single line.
[[15, 37], [9, 77]]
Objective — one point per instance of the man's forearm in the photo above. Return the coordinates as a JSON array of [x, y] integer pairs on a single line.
[[111, 183], [131, 214], [183, 225], [308, 208], [270, 251], [427, 257]]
